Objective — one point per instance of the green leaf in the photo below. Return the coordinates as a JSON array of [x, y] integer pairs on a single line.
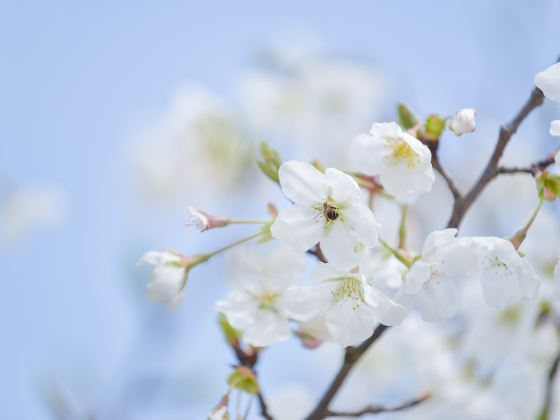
[[270, 163], [244, 379], [407, 119], [231, 334], [434, 126]]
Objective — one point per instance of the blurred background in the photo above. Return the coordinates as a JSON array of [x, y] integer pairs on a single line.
[[116, 116]]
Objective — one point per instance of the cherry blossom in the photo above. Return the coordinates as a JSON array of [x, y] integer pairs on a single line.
[[351, 307], [504, 275], [257, 305], [327, 209], [168, 280], [402, 162], [429, 285]]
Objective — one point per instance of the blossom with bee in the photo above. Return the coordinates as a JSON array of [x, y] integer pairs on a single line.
[[350, 306], [256, 305], [402, 162], [327, 208]]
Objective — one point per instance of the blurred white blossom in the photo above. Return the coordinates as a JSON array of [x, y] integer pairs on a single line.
[[257, 304], [31, 208]]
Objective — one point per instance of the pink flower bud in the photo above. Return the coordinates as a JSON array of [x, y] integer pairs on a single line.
[[203, 221]]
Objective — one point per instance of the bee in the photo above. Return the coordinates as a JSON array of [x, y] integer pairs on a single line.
[[331, 212]]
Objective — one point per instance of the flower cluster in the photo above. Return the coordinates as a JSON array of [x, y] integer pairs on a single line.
[[322, 269]]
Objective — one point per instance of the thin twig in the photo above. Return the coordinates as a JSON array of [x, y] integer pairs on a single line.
[[376, 409], [507, 131], [351, 357], [250, 359], [545, 413], [533, 169], [450, 183]]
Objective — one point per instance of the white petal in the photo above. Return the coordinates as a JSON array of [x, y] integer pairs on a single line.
[[555, 128], [386, 310], [437, 239], [305, 302], [295, 227], [328, 271], [368, 154], [282, 267], [165, 284], [528, 280], [343, 187], [150, 257], [407, 184], [267, 328], [549, 82], [348, 324], [362, 220], [338, 245], [500, 286], [301, 182], [419, 273], [438, 302], [239, 308], [243, 267]]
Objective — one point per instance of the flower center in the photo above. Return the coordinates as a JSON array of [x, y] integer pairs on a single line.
[[402, 153], [498, 266], [349, 289], [267, 300], [327, 212]]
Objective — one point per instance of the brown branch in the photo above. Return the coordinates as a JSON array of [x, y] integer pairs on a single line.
[[507, 131], [545, 413], [351, 357], [450, 183], [376, 409], [533, 169]]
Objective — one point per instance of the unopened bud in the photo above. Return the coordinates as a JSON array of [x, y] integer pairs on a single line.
[[463, 121], [202, 221], [433, 127], [271, 162]]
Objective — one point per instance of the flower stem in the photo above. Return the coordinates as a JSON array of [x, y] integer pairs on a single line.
[[402, 227], [247, 222], [233, 244], [521, 234], [396, 253]]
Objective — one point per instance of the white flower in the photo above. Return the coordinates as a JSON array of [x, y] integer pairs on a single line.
[[327, 209], [401, 160], [351, 307], [202, 221], [549, 82], [169, 277], [463, 121], [555, 128], [429, 285], [256, 306], [505, 276]]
